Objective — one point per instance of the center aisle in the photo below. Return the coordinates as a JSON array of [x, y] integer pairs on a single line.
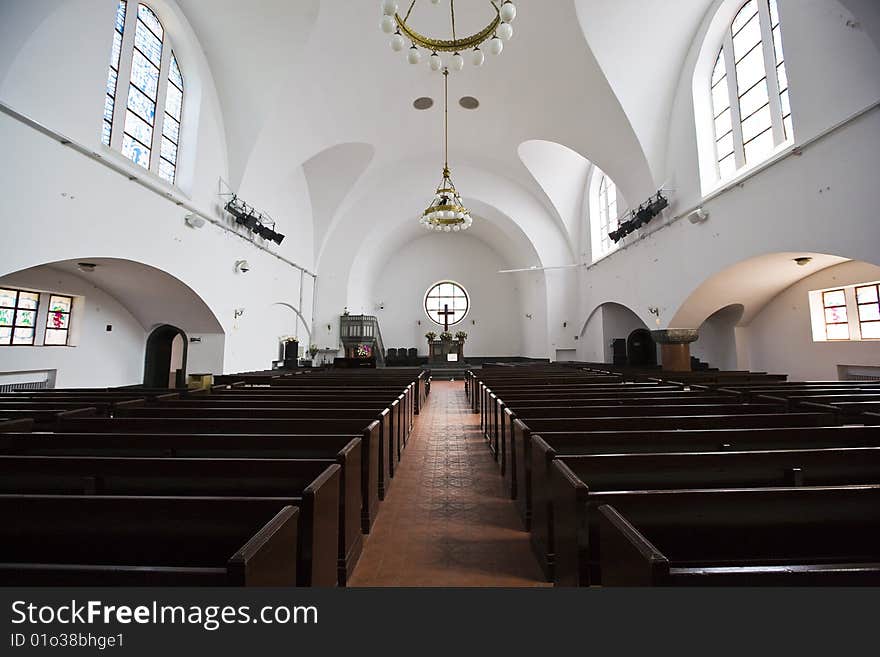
[[445, 521]]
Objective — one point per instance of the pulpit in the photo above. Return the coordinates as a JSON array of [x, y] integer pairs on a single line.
[[440, 350]]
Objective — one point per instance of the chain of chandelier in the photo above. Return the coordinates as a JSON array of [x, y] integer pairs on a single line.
[[447, 211], [495, 33]]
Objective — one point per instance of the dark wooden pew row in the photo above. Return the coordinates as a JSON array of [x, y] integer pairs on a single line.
[[7, 425], [342, 450], [484, 389], [781, 537], [849, 405], [312, 486], [387, 442], [578, 481], [394, 423], [48, 540], [547, 447], [371, 464], [47, 418], [517, 479], [501, 430]]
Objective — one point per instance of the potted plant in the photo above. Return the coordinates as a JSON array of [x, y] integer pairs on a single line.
[[313, 350], [461, 336], [446, 336], [431, 336]]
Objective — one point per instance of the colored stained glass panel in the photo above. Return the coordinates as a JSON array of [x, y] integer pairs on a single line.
[[166, 171], [150, 20], [111, 82], [55, 338], [144, 75], [835, 315], [108, 109], [174, 74], [26, 318], [29, 300], [867, 294], [838, 331], [171, 129], [137, 128], [7, 298], [169, 151], [173, 101], [834, 298], [106, 132], [117, 50], [136, 152], [120, 16], [148, 44], [23, 336], [142, 106], [7, 316], [59, 304], [5, 336]]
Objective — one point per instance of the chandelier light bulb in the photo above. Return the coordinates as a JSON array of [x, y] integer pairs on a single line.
[[388, 24], [496, 46], [389, 7], [508, 12], [414, 56], [479, 57], [457, 62], [397, 42], [436, 62], [505, 31]]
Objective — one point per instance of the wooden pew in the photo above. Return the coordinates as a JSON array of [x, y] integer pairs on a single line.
[[578, 481], [48, 540], [313, 486], [781, 537], [7, 425], [518, 475], [371, 464], [342, 450]]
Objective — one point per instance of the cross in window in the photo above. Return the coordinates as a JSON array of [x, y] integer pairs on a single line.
[[446, 314]]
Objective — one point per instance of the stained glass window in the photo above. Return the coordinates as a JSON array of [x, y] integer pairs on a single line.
[[153, 93], [171, 125], [836, 321], [58, 320], [751, 107], [113, 74], [607, 212], [868, 302], [447, 300], [18, 317]]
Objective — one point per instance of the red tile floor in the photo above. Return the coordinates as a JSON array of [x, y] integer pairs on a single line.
[[445, 521]]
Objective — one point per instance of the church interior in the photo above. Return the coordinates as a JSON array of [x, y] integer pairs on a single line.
[[416, 293]]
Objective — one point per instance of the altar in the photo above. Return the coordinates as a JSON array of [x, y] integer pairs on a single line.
[[446, 351]]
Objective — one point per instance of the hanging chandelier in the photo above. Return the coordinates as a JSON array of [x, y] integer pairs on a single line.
[[496, 33], [447, 211]]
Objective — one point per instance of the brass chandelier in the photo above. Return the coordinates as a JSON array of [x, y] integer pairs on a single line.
[[496, 33], [447, 211]]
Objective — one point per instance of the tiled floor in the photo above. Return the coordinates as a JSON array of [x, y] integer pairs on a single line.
[[445, 521]]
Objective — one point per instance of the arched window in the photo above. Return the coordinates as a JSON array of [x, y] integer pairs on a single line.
[[749, 88], [447, 301], [144, 75], [607, 213]]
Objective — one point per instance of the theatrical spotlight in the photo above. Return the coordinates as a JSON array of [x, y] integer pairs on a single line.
[[638, 218], [277, 238]]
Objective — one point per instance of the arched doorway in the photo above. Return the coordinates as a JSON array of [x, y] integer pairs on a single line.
[[165, 359], [640, 349]]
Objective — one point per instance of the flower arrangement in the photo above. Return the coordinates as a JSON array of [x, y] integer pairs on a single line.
[[446, 336], [461, 336], [431, 336], [313, 349]]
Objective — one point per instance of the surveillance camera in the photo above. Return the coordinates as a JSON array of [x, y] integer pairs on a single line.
[[242, 266]]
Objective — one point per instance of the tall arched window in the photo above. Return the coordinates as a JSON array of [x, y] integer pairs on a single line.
[[144, 74], [607, 213], [750, 105]]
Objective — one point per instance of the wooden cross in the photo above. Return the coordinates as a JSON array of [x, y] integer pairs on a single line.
[[446, 314]]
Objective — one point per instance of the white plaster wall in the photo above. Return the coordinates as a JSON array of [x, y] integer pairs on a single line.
[[821, 201], [717, 344], [781, 339], [495, 298], [99, 358]]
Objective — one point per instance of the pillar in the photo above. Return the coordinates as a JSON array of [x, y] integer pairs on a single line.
[[675, 348]]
